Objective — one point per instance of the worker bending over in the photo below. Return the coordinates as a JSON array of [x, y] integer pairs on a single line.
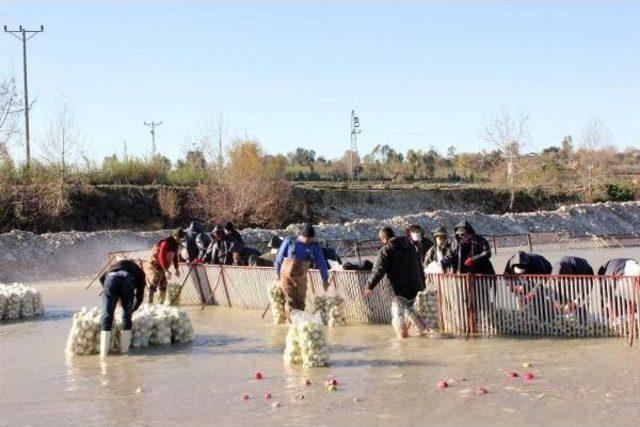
[[295, 257], [124, 282]]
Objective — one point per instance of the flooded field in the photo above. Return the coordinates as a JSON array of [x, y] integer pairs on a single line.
[[382, 380]]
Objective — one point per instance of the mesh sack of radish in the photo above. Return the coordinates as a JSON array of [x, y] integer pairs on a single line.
[[19, 301], [427, 305], [330, 309], [152, 325], [306, 343], [84, 337], [173, 290], [276, 299]]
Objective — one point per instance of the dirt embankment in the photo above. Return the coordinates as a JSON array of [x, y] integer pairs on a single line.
[[25, 256], [89, 208]]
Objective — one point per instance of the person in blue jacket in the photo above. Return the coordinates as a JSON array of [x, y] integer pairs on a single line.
[[295, 257]]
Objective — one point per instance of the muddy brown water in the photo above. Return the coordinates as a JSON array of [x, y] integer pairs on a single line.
[[382, 380]]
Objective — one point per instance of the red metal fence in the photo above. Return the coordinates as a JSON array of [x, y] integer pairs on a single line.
[[486, 305]]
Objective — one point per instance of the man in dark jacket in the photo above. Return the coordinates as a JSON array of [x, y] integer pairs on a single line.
[[571, 266], [399, 261], [468, 252], [420, 242], [124, 281], [226, 246]]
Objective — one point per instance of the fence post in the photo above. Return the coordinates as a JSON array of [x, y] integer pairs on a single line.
[[471, 321], [357, 249], [529, 242], [224, 285], [495, 245]]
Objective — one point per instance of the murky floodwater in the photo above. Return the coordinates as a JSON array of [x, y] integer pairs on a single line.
[[383, 381]]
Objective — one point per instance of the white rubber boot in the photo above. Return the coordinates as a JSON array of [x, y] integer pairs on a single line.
[[105, 343], [125, 341]]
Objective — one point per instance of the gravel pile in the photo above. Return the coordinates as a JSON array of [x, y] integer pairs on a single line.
[[25, 256]]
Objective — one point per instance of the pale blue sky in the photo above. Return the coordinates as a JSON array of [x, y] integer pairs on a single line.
[[418, 73]]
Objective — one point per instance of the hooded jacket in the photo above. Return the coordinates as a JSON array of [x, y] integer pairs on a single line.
[[195, 229], [614, 267], [477, 249], [399, 261], [569, 265], [532, 264]]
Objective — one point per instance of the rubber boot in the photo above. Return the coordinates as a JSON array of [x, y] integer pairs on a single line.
[[125, 341], [105, 343], [150, 296], [162, 297]]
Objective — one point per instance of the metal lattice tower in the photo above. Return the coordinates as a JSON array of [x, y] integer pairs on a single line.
[[153, 125], [355, 130]]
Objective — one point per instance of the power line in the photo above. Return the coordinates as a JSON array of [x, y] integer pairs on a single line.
[[24, 36], [153, 125]]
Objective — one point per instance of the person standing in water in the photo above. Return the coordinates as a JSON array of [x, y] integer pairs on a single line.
[[400, 262], [124, 281], [159, 260], [295, 257]]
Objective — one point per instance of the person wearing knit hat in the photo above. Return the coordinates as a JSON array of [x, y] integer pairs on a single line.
[[294, 259], [440, 248]]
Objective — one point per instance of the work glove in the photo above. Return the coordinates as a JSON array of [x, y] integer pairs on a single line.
[[468, 262]]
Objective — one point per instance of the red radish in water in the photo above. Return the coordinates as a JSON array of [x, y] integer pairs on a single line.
[[245, 396], [513, 375], [331, 381], [257, 375], [267, 395], [528, 376], [481, 391], [442, 385], [306, 381]]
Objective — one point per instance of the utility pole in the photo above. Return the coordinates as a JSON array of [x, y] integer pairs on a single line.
[[355, 130], [24, 36], [153, 125]]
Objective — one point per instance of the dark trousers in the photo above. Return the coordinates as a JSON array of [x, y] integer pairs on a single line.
[[118, 285]]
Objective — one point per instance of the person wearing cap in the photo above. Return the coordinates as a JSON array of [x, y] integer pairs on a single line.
[[468, 252], [528, 263], [293, 261], [163, 254], [440, 248], [399, 261], [420, 242], [528, 290]]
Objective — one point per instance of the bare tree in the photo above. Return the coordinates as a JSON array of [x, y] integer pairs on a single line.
[[62, 141], [595, 156], [9, 110], [507, 133]]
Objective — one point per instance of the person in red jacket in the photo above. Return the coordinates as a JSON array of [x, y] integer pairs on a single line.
[[160, 259]]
